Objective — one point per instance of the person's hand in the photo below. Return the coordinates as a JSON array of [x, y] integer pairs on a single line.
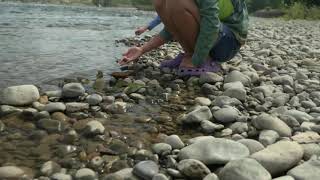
[[141, 30], [131, 55]]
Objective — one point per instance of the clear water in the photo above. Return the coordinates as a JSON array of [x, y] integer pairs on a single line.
[[41, 43]]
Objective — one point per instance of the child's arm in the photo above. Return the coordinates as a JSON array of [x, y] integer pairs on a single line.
[[155, 22], [209, 30]]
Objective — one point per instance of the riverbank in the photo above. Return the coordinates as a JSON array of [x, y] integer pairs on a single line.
[[258, 118]]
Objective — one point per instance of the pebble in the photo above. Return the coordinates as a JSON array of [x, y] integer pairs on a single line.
[[210, 78], [193, 169], [210, 127], [161, 148], [76, 107], [211, 176], [267, 122], [226, 115], [268, 137], [244, 169], [94, 99], [61, 176], [19, 95], [174, 141], [85, 174], [214, 151], [145, 170], [50, 168], [94, 127], [73, 90], [236, 76], [202, 101], [310, 150], [253, 145], [55, 107], [298, 115], [235, 90], [160, 177], [279, 157], [199, 114]]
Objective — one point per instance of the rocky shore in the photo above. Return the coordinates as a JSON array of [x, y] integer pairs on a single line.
[[259, 119]]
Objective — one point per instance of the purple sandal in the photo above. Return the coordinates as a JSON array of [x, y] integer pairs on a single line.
[[173, 63], [209, 66]]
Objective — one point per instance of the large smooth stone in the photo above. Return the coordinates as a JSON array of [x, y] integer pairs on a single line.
[[244, 169], [226, 115], [19, 95], [72, 90], [309, 170], [279, 157], [214, 151], [253, 145], [145, 170], [267, 122], [193, 169]]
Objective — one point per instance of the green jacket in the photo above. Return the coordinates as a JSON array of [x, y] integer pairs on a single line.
[[232, 13]]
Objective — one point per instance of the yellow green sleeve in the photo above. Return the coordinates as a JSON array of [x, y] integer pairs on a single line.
[[209, 30]]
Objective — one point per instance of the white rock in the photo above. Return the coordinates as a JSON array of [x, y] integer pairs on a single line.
[[50, 168], [19, 95], [11, 172], [226, 115], [174, 141], [95, 127]]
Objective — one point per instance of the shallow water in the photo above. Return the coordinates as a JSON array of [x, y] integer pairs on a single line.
[[40, 43]]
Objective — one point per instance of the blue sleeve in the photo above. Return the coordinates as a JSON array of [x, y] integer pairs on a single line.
[[155, 22]]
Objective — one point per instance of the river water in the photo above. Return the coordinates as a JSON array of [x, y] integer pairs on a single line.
[[42, 43]]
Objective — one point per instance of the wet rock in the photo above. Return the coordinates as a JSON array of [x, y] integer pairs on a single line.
[[117, 108], [85, 174], [235, 90], [160, 177], [199, 114], [280, 157], [214, 151], [119, 147], [226, 115], [94, 127], [174, 141], [55, 107], [267, 122], [145, 170], [61, 176], [19, 95], [76, 107], [5, 110], [244, 169], [210, 78], [73, 90], [236, 76], [193, 169], [253, 145], [11, 172], [309, 170], [202, 101], [94, 99], [60, 117], [211, 176], [51, 125], [50, 168], [161, 148], [268, 137]]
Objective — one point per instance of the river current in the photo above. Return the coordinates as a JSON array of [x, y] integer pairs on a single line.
[[43, 43]]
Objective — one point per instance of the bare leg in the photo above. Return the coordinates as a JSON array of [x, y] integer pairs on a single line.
[[181, 18]]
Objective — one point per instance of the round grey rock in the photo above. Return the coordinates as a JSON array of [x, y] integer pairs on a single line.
[[94, 127], [199, 114], [211, 176], [268, 137], [50, 168], [85, 174], [160, 177], [309, 170], [161, 148], [193, 169], [61, 176], [174, 141], [145, 169], [253, 145], [244, 169], [279, 157], [11, 172], [94, 99], [226, 115], [72, 90], [55, 107]]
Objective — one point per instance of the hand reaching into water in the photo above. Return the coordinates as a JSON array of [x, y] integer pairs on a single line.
[[131, 55], [141, 30]]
